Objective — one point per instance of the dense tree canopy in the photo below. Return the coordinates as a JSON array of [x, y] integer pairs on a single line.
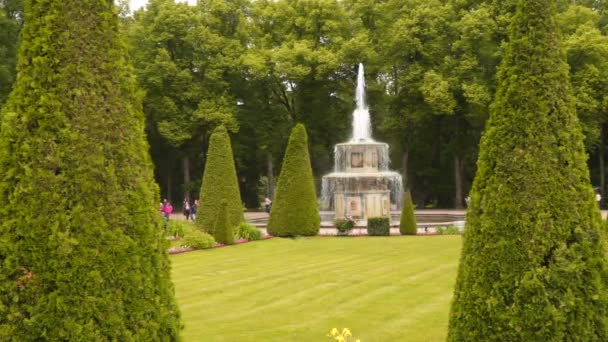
[[258, 67]]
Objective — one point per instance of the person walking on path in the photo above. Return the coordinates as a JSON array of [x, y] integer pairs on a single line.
[[167, 211], [193, 209], [268, 204], [187, 209]]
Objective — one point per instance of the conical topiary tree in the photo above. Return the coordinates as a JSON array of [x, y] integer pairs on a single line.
[[82, 256], [407, 224], [219, 182], [223, 231], [533, 266], [294, 211]]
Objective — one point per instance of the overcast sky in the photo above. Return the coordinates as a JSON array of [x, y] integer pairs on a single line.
[[136, 4]]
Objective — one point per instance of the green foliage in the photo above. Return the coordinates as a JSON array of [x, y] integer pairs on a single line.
[[294, 211], [81, 247], [223, 231], [378, 226], [248, 232], [534, 265], [344, 225], [180, 228], [258, 67], [11, 18], [219, 183], [449, 230], [198, 240], [407, 224]]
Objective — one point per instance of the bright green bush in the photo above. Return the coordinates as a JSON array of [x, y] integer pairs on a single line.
[[180, 228], [378, 226], [407, 224], [449, 230], [198, 240], [248, 232], [223, 231], [344, 225], [82, 256], [219, 182], [294, 211], [533, 265]]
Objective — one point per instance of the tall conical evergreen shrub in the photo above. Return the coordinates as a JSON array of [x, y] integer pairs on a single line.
[[533, 266], [82, 256], [223, 231], [294, 211], [407, 224], [219, 183]]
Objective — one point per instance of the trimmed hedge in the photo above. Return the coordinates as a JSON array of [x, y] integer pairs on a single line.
[[533, 265], [294, 211], [82, 255], [378, 226], [407, 224], [219, 182], [223, 231]]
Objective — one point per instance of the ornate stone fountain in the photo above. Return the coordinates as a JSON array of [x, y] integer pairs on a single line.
[[361, 185]]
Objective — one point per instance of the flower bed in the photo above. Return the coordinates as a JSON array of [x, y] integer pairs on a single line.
[[180, 249]]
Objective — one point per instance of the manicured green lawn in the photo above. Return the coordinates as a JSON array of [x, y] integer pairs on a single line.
[[382, 288]]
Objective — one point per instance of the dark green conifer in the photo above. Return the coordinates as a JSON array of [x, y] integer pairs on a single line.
[[223, 231], [533, 266], [82, 256], [407, 224], [219, 183], [294, 211]]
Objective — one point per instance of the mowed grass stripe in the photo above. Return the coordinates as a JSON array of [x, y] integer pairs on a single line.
[[382, 288]]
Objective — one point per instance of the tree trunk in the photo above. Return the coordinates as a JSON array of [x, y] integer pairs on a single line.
[[169, 194], [458, 171], [270, 175], [186, 166], [404, 166]]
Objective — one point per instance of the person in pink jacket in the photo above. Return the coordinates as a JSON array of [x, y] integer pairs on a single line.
[[166, 210]]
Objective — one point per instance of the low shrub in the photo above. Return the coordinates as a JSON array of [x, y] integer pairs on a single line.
[[344, 225], [198, 240], [378, 226], [449, 230], [180, 228], [248, 232]]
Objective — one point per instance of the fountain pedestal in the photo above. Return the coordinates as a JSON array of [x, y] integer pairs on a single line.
[[361, 186]]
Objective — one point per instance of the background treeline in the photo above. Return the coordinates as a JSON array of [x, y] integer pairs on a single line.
[[259, 67]]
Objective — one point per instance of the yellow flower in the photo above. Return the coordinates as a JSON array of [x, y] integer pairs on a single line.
[[341, 336]]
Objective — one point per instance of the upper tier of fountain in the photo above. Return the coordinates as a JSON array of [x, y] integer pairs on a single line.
[[361, 157]]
